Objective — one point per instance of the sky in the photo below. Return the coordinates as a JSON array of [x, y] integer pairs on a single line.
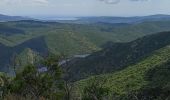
[[84, 7]]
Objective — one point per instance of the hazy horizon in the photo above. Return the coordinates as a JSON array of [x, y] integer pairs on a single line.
[[79, 8], [48, 17]]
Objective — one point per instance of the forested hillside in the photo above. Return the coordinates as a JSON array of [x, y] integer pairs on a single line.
[[117, 56], [147, 79], [7, 54]]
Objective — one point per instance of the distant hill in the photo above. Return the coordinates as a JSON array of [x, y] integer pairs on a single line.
[[90, 20], [6, 55], [4, 18], [86, 38], [117, 56], [107, 19]]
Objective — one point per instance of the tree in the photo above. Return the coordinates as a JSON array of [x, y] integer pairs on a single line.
[[95, 90], [32, 82], [68, 85], [4, 81]]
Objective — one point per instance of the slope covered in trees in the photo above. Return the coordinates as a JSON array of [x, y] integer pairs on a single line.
[[147, 79], [7, 53], [117, 56]]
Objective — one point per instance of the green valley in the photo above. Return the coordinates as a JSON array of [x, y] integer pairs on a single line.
[[72, 39]]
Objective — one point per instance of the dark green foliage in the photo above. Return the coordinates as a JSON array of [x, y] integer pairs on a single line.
[[53, 66], [95, 90], [4, 82], [159, 83], [31, 82], [147, 79], [156, 93]]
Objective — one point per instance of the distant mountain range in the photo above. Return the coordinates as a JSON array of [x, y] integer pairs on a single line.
[[88, 20], [107, 19], [4, 18]]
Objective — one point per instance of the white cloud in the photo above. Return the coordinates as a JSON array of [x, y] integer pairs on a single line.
[[111, 1], [24, 2], [117, 1], [41, 1]]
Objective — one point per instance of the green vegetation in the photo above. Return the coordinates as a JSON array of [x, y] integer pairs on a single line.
[[95, 90], [134, 78], [36, 45], [86, 36], [35, 84], [117, 56], [69, 39], [129, 70], [26, 57]]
